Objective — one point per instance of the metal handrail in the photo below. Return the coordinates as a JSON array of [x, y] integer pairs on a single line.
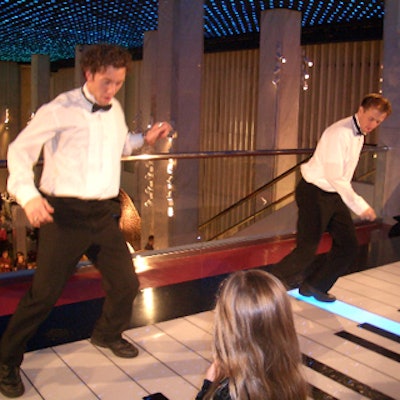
[[253, 216], [261, 189], [215, 154], [227, 153]]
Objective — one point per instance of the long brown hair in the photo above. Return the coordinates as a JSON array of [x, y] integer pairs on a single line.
[[255, 342]]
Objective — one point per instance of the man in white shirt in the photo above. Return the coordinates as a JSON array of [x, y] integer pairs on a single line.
[[324, 196], [83, 135]]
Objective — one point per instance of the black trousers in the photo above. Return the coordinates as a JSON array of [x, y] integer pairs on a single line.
[[79, 227], [320, 211]]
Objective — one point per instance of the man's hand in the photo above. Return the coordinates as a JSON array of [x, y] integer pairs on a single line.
[[368, 215], [38, 211], [157, 131]]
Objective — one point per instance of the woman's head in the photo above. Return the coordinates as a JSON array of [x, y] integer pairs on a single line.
[[255, 342]]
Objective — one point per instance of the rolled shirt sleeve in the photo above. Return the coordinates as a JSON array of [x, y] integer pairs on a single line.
[[133, 142], [23, 153]]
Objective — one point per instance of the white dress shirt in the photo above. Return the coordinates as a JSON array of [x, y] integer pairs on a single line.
[[82, 150], [334, 161]]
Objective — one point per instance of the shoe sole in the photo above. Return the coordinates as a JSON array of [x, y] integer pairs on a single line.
[[325, 300]]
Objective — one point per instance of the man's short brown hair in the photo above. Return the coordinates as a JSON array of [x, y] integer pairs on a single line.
[[97, 57], [376, 100]]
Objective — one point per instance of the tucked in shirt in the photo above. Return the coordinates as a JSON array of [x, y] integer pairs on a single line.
[[334, 161], [82, 150]]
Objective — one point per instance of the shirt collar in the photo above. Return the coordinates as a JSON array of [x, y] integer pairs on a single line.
[[92, 101], [87, 94], [358, 132]]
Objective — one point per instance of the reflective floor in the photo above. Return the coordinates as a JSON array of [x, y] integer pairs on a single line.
[[355, 355]]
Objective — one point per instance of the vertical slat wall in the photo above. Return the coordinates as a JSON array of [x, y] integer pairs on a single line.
[[228, 115], [341, 75]]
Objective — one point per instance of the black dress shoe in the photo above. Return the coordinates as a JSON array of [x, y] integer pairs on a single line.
[[307, 290], [121, 348], [10, 381]]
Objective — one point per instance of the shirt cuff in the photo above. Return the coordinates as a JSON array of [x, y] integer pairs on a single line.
[[133, 142], [25, 195], [136, 140]]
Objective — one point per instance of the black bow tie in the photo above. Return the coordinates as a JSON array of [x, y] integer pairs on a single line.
[[97, 107], [359, 131]]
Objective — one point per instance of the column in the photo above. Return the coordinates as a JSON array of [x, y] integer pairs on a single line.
[[387, 201], [78, 75], [10, 107], [177, 99], [279, 91], [40, 80], [149, 204]]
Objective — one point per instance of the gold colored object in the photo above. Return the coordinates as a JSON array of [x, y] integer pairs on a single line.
[[130, 221]]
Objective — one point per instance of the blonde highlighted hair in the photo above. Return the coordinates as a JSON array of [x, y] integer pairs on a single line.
[[255, 342]]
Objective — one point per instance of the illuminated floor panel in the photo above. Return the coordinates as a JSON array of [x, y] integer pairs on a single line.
[[349, 311]]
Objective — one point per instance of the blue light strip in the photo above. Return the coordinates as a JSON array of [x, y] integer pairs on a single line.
[[351, 312]]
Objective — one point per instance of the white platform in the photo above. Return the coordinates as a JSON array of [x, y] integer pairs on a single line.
[[174, 354]]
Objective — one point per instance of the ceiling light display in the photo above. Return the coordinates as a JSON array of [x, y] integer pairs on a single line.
[[55, 27]]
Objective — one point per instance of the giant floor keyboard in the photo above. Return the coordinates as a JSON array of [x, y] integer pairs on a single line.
[[346, 356]]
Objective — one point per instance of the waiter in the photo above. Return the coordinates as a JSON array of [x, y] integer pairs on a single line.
[[83, 135]]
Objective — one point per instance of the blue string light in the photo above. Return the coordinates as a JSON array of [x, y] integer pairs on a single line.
[[55, 27], [314, 12]]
